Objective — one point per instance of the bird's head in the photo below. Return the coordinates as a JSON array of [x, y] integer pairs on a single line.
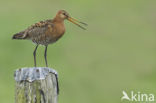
[[62, 14]]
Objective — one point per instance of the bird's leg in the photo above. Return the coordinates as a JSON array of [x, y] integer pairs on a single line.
[[34, 53], [45, 55]]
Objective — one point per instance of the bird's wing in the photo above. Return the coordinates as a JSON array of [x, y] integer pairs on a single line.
[[38, 29]]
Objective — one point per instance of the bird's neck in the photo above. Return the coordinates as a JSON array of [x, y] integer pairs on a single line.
[[59, 24], [58, 19]]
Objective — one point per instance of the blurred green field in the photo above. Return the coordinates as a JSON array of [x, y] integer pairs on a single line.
[[117, 51]]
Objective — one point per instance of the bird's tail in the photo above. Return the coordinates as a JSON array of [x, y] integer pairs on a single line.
[[19, 35]]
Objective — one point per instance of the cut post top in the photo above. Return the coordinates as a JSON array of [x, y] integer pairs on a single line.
[[33, 73]]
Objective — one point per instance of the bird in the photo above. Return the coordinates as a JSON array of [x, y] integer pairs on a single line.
[[47, 32]]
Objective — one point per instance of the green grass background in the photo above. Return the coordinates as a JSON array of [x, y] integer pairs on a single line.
[[117, 51]]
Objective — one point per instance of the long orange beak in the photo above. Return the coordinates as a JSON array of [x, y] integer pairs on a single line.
[[74, 21]]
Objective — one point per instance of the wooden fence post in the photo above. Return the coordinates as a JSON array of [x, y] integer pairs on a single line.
[[36, 85]]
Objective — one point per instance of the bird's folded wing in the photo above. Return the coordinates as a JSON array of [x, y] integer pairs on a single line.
[[39, 28]]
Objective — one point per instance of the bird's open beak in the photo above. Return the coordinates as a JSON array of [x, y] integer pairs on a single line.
[[74, 21]]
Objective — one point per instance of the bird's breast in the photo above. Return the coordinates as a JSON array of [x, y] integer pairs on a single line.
[[60, 29], [55, 32]]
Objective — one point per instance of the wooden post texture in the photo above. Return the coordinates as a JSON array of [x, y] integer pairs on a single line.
[[36, 85]]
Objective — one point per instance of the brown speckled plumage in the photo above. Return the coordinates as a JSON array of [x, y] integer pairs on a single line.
[[43, 32], [46, 32]]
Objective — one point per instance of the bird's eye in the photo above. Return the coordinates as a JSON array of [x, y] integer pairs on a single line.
[[64, 13]]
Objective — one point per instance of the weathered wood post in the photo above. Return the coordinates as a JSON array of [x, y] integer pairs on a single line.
[[36, 85]]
